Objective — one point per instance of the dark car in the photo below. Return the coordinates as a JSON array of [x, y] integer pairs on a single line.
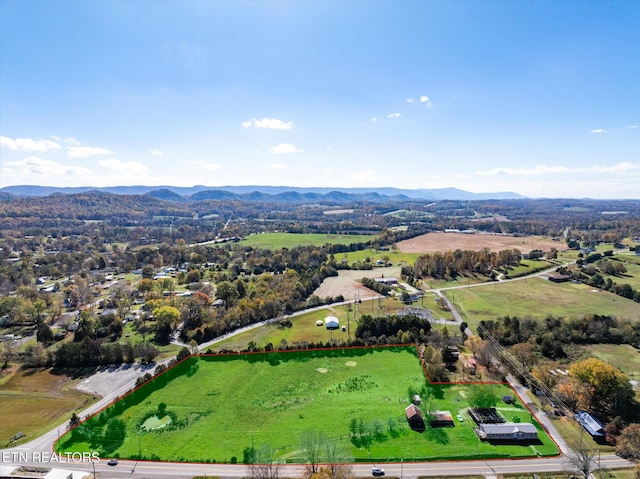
[[113, 462]]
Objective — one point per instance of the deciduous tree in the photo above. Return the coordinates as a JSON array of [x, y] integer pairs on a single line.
[[628, 444]]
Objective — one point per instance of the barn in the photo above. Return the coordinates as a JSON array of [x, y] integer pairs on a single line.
[[414, 416]]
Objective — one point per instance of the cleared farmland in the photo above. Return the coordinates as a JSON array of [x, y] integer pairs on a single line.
[[441, 242], [219, 406]]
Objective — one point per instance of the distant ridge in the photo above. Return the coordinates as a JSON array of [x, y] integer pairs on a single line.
[[268, 193]]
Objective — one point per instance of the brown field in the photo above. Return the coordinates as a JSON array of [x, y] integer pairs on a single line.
[[35, 401], [442, 242], [347, 283]]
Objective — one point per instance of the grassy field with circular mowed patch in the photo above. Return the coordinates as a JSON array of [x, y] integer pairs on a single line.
[[221, 405]]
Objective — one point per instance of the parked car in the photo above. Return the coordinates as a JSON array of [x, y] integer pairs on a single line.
[[113, 462], [460, 418]]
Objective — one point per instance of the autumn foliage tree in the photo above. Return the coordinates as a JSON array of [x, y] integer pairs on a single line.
[[166, 319], [611, 393], [628, 444]]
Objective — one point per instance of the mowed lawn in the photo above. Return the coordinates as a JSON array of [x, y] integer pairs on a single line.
[[35, 401], [538, 298], [224, 404], [275, 241]]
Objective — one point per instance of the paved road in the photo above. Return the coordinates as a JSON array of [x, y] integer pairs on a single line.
[[41, 446], [406, 470]]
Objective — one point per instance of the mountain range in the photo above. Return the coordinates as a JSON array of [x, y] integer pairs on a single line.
[[268, 193]]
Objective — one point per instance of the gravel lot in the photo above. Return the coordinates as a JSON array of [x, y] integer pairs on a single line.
[[107, 380]]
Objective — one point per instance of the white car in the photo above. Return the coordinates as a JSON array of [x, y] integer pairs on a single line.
[[377, 471], [460, 418]]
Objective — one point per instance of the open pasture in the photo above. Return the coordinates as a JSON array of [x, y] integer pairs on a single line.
[[538, 298], [622, 356], [304, 328], [442, 242], [35, 401], [221, 406], [275, 241]]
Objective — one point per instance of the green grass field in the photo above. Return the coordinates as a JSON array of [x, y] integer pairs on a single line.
[[623, 356], [538, 298], [395, 257], [304, 326], [221, 405], [275, 241]]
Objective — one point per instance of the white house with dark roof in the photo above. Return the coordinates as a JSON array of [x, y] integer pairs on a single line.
[[508, 431]]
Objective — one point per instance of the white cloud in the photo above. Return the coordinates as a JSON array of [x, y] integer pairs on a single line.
[[374, 119], [86, 151], [277, 166], [393, 115], [363, 176], [34, 166], [268, 123], [623, 167], [618, 168], [284, 148], [633, 127], [156, 152], [129, 168], [599, 130], [207, 166], [28, 144], [72, 141], [409, 100], [425, 99]]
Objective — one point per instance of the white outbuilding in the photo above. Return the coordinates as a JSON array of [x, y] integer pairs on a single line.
[[331, 322]]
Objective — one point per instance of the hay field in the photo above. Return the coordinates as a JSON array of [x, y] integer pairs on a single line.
[[442, 242]]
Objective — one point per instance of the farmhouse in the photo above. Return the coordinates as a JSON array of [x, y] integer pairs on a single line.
[[441, 419], [508, 431], [591, 424], [414, 416]]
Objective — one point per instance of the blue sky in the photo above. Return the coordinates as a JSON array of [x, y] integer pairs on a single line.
[[536, 97]]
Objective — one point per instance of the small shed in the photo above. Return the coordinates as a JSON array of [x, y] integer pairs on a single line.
[[414, 416], [331, 322], [442, 419]]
